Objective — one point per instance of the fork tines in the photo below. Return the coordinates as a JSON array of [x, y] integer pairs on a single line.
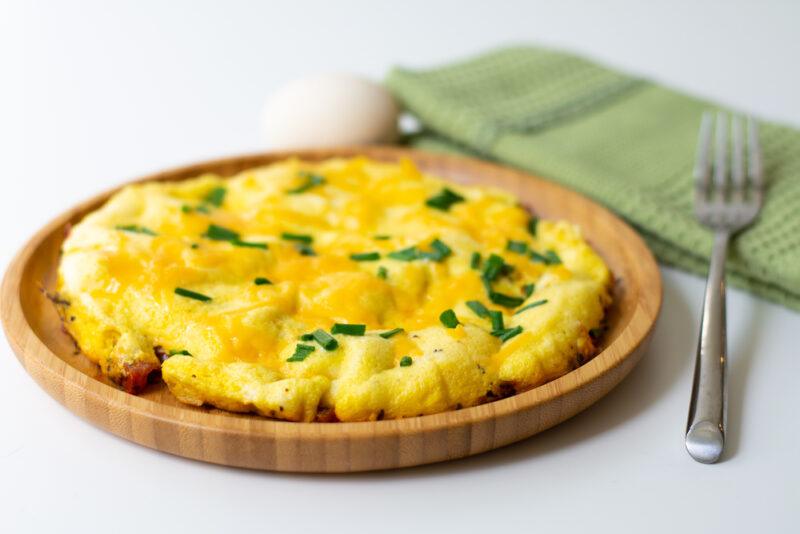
[[728, 181]]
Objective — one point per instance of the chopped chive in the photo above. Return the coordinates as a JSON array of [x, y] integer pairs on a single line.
[[135, 229], [349, 329], [194, 246], [492, 267], [261, 281], [365, 256], [548, 258], [497, 320], [249, 244], [182, 352], [478, 307], [220, 233], [307, 337], [552, 257], [520, 247], [304, 249], [382, 272], [528, 289], [202, 208], [444, 199], [301, 238], [216, 196], [191, 294], [406, 254], [326, 341], [405, 361], [505, 300], [507, 333], [381, 237], [449, 319], [487, 285], [301, 352], [475, 260], [390, 333], [533, 222], [440, 251], [531, 305], [311, 181], [186, 208]]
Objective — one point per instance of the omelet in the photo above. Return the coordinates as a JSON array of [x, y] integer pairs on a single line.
[[342, 290]]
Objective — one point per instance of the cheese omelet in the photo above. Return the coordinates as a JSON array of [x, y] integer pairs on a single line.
[[341, 290]]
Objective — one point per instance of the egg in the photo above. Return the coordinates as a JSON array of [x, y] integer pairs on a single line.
[[346, 289], [329, 110]]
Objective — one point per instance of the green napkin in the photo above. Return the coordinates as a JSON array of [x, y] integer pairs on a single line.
[[624, 141]]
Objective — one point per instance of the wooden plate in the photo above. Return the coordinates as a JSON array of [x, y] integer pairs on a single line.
[[157, 420]]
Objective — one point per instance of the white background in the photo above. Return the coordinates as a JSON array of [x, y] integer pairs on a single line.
[[92, 94]]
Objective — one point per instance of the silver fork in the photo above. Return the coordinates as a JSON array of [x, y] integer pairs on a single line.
[[726, 202]]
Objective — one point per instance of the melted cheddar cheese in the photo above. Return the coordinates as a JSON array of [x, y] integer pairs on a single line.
[[222, 280]]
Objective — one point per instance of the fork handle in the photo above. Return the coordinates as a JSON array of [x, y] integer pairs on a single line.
[[705, 428]]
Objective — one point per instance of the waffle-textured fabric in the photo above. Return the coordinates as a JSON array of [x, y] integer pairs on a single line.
[[624, 141]]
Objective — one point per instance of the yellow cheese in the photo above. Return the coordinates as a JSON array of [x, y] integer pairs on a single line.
[[122, 264]]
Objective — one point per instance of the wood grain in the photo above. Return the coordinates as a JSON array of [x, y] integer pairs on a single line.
[[157, 420]]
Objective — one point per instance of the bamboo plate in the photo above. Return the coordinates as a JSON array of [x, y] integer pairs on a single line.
[[157, 420]]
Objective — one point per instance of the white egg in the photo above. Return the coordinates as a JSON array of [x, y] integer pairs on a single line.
[[329, 110]]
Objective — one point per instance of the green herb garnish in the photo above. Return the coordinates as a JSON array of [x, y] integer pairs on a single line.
[[365, 256], [528, 289], [440, 251], [311, 181], [390, 333], [349, 329], [552, 257], [475, 260], [497, 320], [135, 229], [381, 237], [326, 341], [304, 249], [507, 333], [444, 199], [531, 305], [548, 258], [186, 208], [406, 254], [382, 272], [202, 209], [216, 196], [301, 238], [194, 246], [505, 300], [301, 352], [478, 307], [493, 267], [533, 222], [182, 352], [405, 361], [307, 337], [449, 319], [249, 244], [520, 247], [191, 294], [220, 233], [261, 281]]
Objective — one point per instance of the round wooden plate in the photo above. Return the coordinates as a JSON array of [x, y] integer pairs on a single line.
[[157, 420]]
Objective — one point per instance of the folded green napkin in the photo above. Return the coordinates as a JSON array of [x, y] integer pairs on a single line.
[[624, 141]]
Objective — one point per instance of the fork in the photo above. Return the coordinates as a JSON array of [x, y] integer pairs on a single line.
[[726, 202]]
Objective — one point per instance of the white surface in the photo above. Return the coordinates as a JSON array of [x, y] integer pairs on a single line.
[[93, 94]]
